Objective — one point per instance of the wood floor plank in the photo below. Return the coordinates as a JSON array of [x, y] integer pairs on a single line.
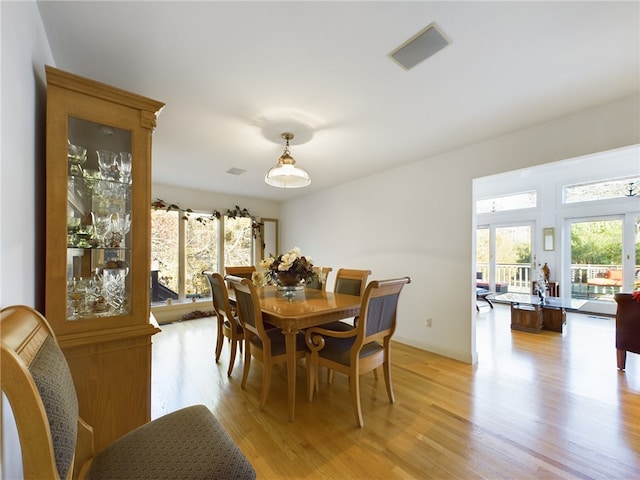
[[547, 405]]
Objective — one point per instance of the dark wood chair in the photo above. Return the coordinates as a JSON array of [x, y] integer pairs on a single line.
[[228, 325], [627, 327], [57, 444], [360, 349]]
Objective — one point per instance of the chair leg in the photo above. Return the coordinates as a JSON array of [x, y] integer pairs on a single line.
[[622, 358], [247, 364], [232, 355], [329, 376], [266, 382], [375, 373], [387, 380], [354, 384], [219, 341], [312, 376]]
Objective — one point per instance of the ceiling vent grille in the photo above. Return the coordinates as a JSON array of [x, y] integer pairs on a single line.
[[421, 46], [236, 171]]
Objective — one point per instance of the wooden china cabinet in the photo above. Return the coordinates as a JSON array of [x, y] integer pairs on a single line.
[[98, 178]]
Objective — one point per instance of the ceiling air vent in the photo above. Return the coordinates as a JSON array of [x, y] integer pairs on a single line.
[[236, 171], [421, 46]]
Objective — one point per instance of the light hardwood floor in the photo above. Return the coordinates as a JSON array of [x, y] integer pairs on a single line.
[[542, 405]]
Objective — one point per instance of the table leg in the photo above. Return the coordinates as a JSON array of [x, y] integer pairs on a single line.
[[290, 344]]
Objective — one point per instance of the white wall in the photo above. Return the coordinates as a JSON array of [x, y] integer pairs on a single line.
[[25, 51], [417, 219]]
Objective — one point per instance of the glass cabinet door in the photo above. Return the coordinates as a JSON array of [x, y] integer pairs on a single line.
[[99, 186]]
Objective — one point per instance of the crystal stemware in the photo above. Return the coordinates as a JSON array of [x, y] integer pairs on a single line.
[[120, 226], [76, 291], [76, 156], [125, 167], [102, 227], [113, 288], [108, 163]]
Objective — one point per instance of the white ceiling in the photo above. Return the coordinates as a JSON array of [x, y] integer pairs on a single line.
[[230, 71]]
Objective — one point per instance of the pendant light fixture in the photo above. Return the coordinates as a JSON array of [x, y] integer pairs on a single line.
[[286, 173]]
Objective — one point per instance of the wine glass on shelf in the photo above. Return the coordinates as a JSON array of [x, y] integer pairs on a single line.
[[120, 226], [102, 227], [125, 167], [76, 156], [108, 163], [76, 291]]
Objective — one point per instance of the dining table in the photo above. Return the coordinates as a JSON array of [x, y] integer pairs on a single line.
[[297, 310]]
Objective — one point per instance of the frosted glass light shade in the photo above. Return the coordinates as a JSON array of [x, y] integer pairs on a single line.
[[287, 176], [285, 173]]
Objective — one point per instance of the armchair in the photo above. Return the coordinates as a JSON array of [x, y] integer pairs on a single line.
[[627, 327], [57, 444], [361, 349], [266, 345]]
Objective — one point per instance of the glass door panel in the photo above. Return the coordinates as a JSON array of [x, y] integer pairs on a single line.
[[596, 258], [513, 258], [98, 220], [483, 256]]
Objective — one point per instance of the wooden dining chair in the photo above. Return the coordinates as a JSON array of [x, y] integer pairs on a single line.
[[266, 345], [320, 282], [351, 282], [361, 349], [228, 325], [242, 271], [55, 443]]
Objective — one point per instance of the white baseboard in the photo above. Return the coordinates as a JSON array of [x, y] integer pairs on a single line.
[[465, 357]]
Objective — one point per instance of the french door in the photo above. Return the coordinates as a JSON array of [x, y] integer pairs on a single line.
[[504, 258], [604, 258]]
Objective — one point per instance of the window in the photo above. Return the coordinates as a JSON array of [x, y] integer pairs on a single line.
[[237, 241], [602, 190], [596, 258], [503, 203], [200, 253], [164, 252], [182, 247]]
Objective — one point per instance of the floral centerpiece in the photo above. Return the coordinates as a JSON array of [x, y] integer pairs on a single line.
[[288, 269]]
